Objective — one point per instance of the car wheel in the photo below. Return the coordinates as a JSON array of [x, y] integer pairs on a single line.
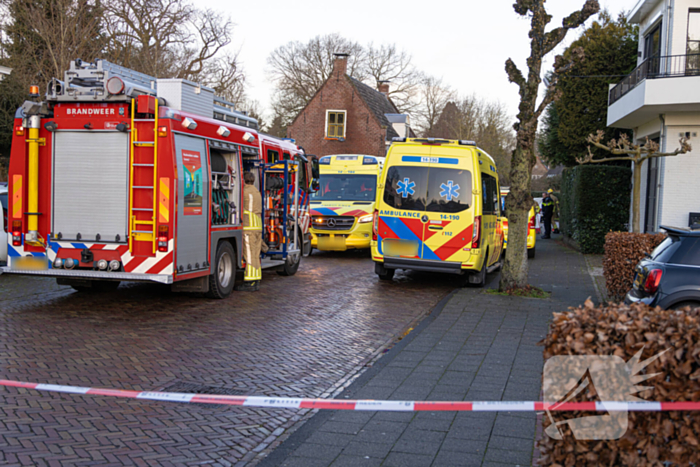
[[531, 252], [689, 303], [224, 273], [383, 273]]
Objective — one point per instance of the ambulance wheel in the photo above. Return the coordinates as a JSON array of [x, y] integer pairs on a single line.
[[478, 279], [291, 265], [383, 273], [531, 252], [224, 272]]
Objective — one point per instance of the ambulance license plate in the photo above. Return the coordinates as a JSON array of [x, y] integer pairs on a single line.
[[332, 243], [30, 263], [402, 248]]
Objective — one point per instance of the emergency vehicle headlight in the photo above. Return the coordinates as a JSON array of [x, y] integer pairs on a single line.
[[248, 137], [102, 264], [223, 131], [58, 263], [365, 219], [369, 161], [69, 263], [115, 85], [114, 265], [189, 123], [324, 161]]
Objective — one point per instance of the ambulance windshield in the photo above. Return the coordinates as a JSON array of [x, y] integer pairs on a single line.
[[346, 187]]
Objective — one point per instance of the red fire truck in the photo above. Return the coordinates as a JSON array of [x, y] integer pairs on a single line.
[[119, 176]]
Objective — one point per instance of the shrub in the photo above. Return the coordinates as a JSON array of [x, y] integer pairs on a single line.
[[594, 201], [652, 438], [623, 250]]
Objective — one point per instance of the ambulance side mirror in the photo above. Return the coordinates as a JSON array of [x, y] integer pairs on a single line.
[[315, 170], [315, 174]]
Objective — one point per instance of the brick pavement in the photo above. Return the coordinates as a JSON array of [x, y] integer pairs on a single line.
[[479, 347], [310, 343]]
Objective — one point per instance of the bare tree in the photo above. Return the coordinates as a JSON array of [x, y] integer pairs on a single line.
[[298, 70], [433, 97], [387, 63], [45, 36], [226, 76], [166, 38], [519, 200], [624, 150]]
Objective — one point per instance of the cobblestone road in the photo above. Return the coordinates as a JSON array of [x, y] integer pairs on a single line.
[[305, 335]]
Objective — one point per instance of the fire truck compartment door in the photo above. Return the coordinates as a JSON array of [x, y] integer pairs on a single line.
[[192, 203], [90, 185]]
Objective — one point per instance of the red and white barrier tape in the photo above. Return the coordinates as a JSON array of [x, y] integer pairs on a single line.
[[380, 406]]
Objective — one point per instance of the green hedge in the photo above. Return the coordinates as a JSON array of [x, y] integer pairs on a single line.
[[595, 200]]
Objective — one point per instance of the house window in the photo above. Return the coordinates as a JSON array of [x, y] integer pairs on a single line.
[[693, 44], [335, 123], [652, 50]]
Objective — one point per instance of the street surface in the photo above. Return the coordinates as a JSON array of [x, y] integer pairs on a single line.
[[301, 336]]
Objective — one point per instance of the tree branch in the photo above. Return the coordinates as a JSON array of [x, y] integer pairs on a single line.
[[515, 75]]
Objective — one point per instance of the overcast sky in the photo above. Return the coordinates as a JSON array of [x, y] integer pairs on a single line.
[[465, 42]]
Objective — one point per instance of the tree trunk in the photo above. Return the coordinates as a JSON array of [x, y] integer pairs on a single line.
[[518, 205], [636, 195]]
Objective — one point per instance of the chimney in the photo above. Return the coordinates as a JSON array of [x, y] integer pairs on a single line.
[[340, 64], [384, 87]]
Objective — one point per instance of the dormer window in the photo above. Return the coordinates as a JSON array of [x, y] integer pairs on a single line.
[[335, 124]]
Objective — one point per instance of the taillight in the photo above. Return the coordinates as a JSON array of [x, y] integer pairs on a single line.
[[651, 285], [476, 236], [163, 231], [531, 225], [375, 225], [16, 233]]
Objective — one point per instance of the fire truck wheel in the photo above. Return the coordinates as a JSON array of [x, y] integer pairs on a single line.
[[291, 265], [224, 272]]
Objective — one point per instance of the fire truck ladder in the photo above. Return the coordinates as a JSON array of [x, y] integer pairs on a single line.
[[136, 227]]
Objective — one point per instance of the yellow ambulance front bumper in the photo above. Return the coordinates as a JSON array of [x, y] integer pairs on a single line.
[[360, 236]]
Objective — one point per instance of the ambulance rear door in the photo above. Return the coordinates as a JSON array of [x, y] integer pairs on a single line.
[[402, 204], [449, 213]]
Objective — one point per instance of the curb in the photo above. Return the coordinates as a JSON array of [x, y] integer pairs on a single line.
[[296, 439]]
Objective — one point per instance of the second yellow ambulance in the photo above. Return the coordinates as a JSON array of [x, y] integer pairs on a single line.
[[342, 209], [438, 205]]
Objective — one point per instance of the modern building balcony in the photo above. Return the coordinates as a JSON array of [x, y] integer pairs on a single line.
[[659, 85]]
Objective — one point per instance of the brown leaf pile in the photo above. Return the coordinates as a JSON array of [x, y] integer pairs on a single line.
[[652, 438], [623, 250]]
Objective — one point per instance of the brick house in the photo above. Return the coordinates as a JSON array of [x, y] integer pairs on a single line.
[[346, 116]]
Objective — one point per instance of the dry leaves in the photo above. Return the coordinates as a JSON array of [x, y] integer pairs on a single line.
[[652, 438], [623, 250]]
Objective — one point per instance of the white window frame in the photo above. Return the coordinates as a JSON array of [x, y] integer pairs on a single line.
[[345, 123]]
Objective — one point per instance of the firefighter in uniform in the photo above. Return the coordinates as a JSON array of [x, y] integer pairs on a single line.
[[547, 212], [252, 234]]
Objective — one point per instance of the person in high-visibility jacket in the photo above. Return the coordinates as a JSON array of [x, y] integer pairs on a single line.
[[252, 234], [547, 212]]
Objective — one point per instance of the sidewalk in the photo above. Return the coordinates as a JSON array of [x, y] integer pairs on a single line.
[[474, 346]]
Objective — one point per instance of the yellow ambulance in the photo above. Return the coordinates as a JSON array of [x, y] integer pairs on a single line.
[[438, 205], [531, 227], [342, 209]]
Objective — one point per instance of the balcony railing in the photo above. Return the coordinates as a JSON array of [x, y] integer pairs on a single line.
[[657, 67]]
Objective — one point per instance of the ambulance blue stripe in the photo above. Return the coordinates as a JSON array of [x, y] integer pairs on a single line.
[[12, 252], [79, 245], [38, 254], [325, 211], [404, 233], [54, 246], [440, 160]]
